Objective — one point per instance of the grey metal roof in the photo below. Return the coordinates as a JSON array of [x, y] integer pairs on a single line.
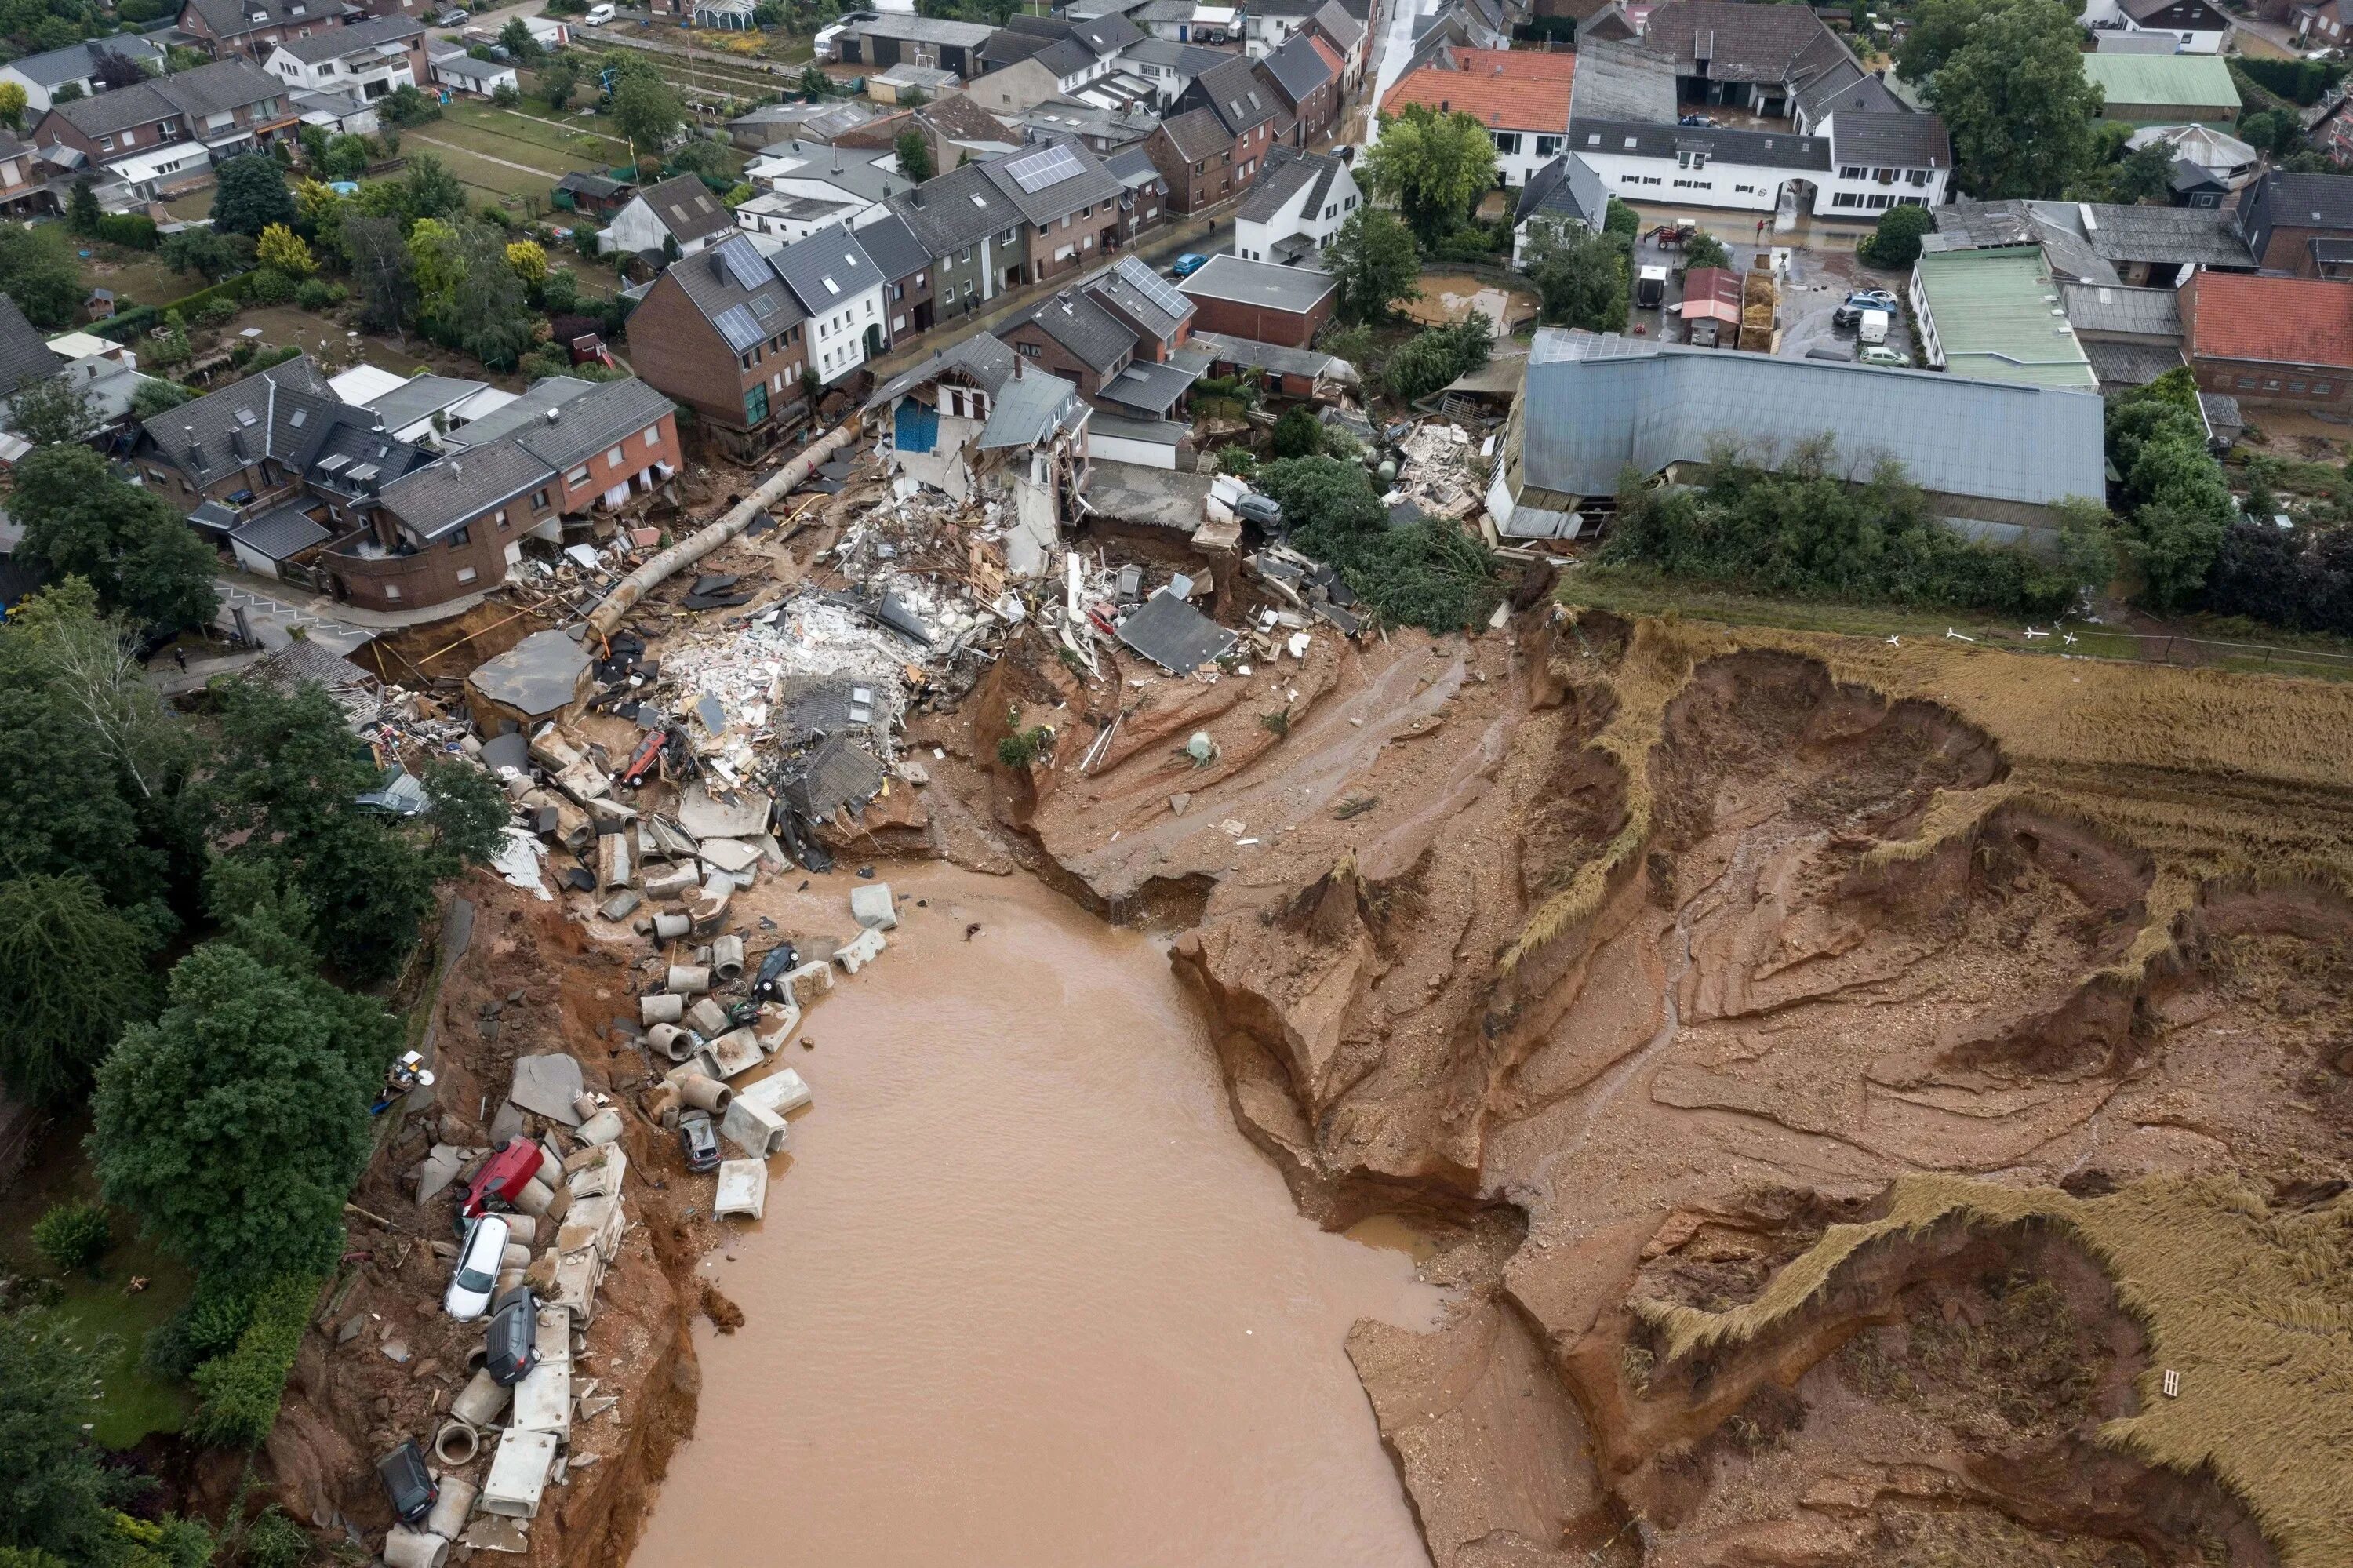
[[2130, 364], [684, 205], [436, 498], [955, 210], [1296, 69], [1235, 95], [892, 247], [599, 418], [1293, 289], [1197, 136], [1165, 432], [2101, 307], [1149, 387], [983, 357], [274, 414], [421, 396], [596, 186], [280, 533], [827, 269], [1891, 138], [1224, 349], [531, 408], [1028, 409], [2206, 236], [1566, 188], [924, 30], [1764, 149], [1088, 183], [1595, 406], [470, 68], [1187, 60], [76, 62], [24, 357], [355, 37], [1076, 320], [1622, 81], [1975, 225]]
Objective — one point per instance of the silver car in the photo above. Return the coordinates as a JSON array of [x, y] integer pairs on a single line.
[[477, 1274]]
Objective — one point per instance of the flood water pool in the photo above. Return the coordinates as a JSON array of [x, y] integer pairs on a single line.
[[1023, 1294]]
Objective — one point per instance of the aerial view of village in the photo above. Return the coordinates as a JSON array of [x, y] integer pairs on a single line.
[[1052, 783]]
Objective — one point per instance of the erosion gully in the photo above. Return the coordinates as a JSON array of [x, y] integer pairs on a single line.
[[1023, 1294]]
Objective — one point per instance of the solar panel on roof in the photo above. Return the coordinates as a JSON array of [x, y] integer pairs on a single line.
[[763, 306], [739, 327], [1033, 172], [1152, 287], [743, 262]]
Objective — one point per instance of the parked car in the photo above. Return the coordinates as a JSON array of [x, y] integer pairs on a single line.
[[699, 1142], [1263, 510], [598, 15], [1878, 353], [1696, 119], [477, 1274], [512, 1342], [1872, 327], [1871, 298], [406, 1481], [1844, 318], [1188, 264]]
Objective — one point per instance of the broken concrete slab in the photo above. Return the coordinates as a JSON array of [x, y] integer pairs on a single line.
[[439, 1169], [708, 908], [613, 863], [774, 1026], [814, 978], [704, 817], [743, 1189], [873, 907], [757, 1131], [730, 856], [862, 951], [672, 881], [506, 1123], [621, 906], [544, 674], [735, 1051], [781, 1093], [488, 1532], [542, 1400], [519, 1473], [707, 1018], [546, 1085]]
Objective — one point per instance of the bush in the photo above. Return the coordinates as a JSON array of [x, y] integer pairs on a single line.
[[134, 231], [1297, 434], [274, 1540], [1024, 747], [2299, 81], [269, 287], [317, 294], [240, 1391], [1895, 243], [1424, 363], [216, 314], [72, 1236], [1239, 461], [210, 1325]]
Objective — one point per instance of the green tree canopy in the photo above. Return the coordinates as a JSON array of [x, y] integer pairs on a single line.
[[2017, 103], [1896, 241], [1434, 166], [235, 1125], [1429, 573], [1428, 360], [251, 194], [1705, 249], [1373, 261], [37, 271], [72, 974], [2177, 504], [56, 1498], [82, 518], [647, 109], [1939, 29], [467, 294], [52, 410], [1581, 277], [914, 149]]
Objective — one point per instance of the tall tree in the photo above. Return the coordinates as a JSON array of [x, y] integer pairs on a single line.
[[2016, 102], [1939, 29], [73, 973], [1580, 276], [648, 110], [914, 149], [38, 272], [12, 104], [1434, 166], [430, 190], [380, 268], [518, 41], [557, 78], [57, 1497], [235, 1125], [1372, 261], [52, 410], [251, 194], [82, 517]]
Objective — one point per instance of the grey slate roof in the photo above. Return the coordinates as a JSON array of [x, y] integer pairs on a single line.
[[282, 403], [2144, 312], [1341, 28], [1187, 60], [893, 249], [76, 62], [827, 269], [1132, 167], [421, 396], [1028, 409], [955, 210], [712, 281], [1766, 148], [1773, 44], [2302, 201], [1235, 95], [1894, 138], [235, 19], [2207, 236], [603, 415], [436, 498], [24, 357], [1296, 68], [1073, 319], [1283, 177], [1131, 284], [352, 39], [1064, 57], [1010, 46], [1091, 183], [1594, 405], [1199, 134], [1566, 188], [1622, 81], [684, 205], [1845, 89], [279, 534], [1264, 283], [531, 409], [983, 357], [207, 89], [1149, 387]]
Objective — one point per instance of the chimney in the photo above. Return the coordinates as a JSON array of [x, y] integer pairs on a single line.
[[553, 414], [917, 193]]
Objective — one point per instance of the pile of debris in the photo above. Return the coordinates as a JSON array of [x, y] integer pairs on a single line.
[[1440, 472]]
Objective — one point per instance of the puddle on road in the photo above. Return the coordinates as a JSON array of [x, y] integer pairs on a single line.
[[1025, 1295]]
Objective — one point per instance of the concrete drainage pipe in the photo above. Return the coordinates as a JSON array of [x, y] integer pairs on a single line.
[[706, 1095], [406, 1548], [457, 1444], [727, 958], [653, 1010], [688, 979], [671, 1041]]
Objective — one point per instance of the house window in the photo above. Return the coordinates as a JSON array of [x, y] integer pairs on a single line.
[[461, 538], [539, 501], [2296, 386], [467, 574], [613, 459], [502, 519], [1029, 350], [1547, 145], [577, 476], [1917, 177], [653, 435], [2270, 382], [2246, 382], [1850, 173], [392, 590], [2320, 388], [106, 143]]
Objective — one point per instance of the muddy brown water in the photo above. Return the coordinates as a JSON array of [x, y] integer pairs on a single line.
[[1023, 1294]]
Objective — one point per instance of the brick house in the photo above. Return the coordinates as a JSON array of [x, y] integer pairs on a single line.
[[1345, 35], [1114, 335], [22, 190], [2270, 342], [1196, 157], [1261, 299], [961, 219], [613, 442], [2298, 223], [955, 128], [224, 28], [1249, 111], [445, 531], [1304, 74], [1071, 208], [722, 333], [231, 106]]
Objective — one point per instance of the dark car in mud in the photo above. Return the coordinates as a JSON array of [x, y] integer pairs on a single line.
[[698, 1142], [406, 1481]]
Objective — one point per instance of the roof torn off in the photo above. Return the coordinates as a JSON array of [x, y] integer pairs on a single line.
[[1174, 635]]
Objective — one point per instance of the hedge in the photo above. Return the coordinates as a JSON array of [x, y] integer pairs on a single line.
[[2300, 81], [126, 325], [240, 1391], [133, 230]]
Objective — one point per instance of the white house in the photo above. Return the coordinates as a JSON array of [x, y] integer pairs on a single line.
[[1565, 191], [41, 76], [1269, 23], [1296, 206], [551, 33], [365, 60], [464, 73], [677, 214], [153, 173], [2194, 27], [842, 289], [1859, 165]]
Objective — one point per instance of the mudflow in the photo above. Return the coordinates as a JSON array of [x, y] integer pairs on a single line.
[[1879, 1104]]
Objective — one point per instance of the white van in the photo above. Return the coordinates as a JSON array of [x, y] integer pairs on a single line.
[[598, 15], [1871, 328]]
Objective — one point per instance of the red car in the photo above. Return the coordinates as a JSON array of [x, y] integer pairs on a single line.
[[501, 1177]]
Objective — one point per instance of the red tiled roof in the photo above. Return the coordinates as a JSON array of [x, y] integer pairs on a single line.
[[2288, 320], [1331, 55], [1712, 292], [1517, 89]]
